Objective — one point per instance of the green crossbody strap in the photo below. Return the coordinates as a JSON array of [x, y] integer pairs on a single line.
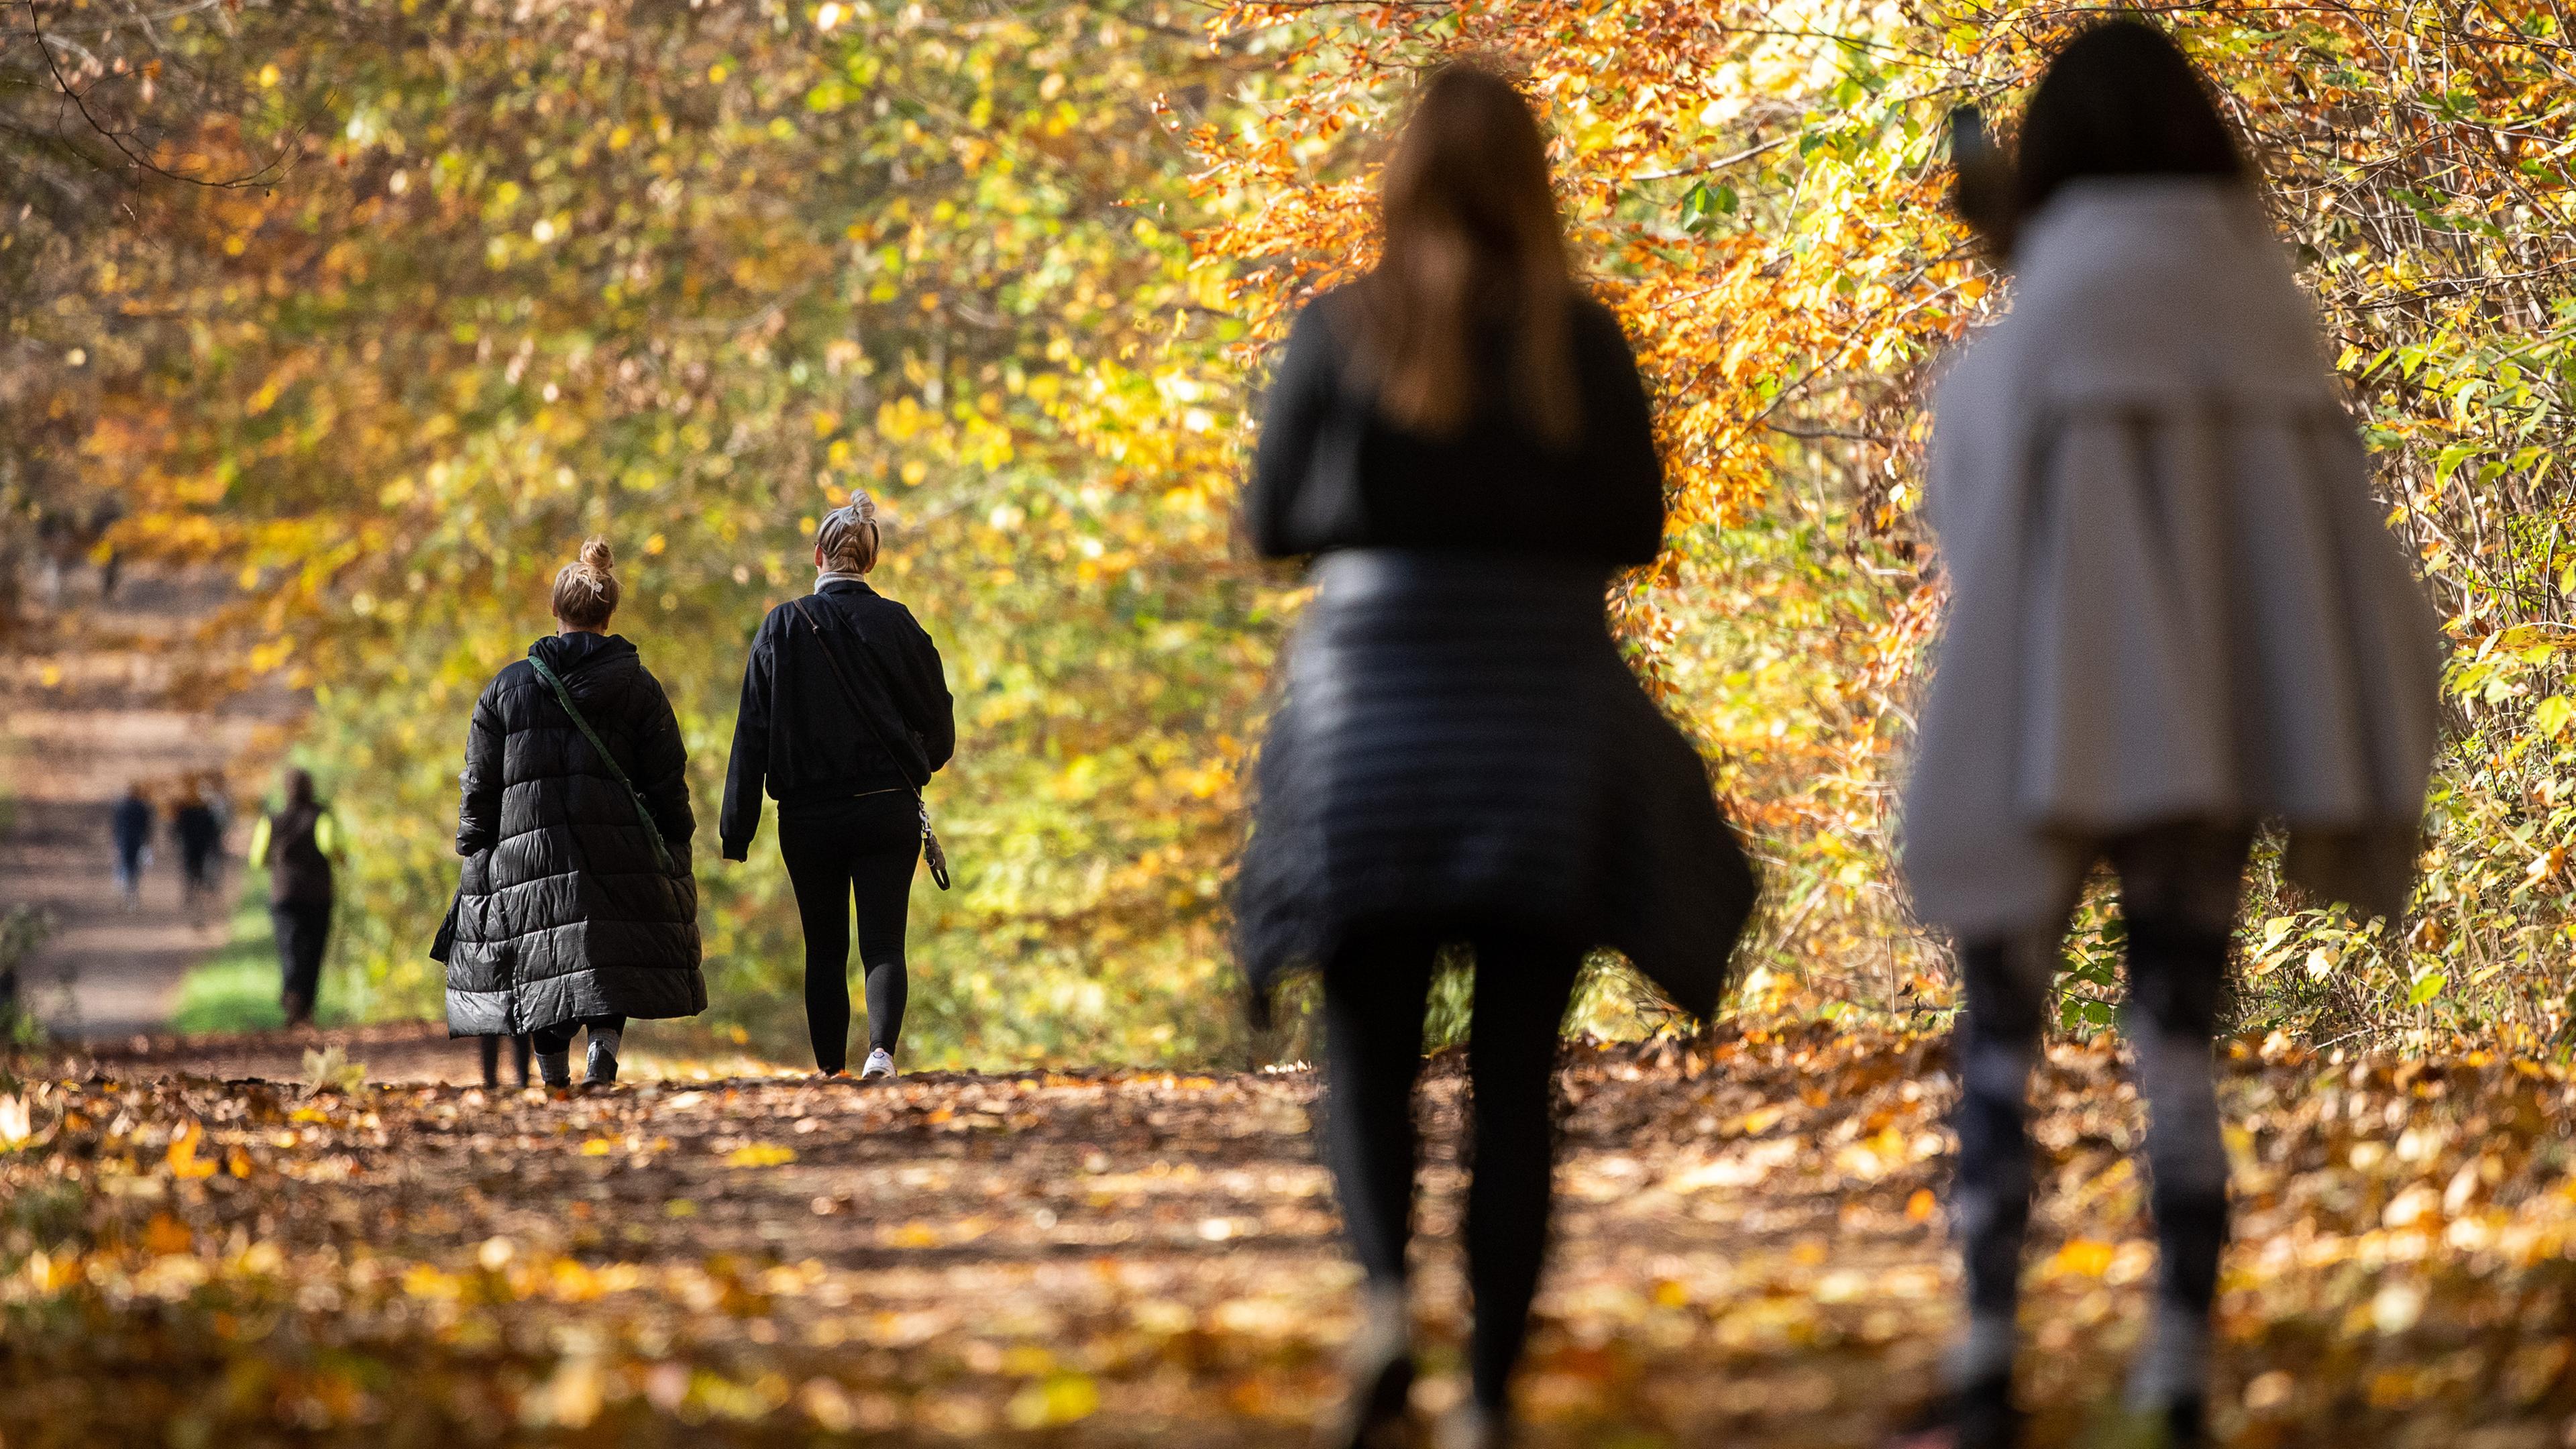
[[643, 811]]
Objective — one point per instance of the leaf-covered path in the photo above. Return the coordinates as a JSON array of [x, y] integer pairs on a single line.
[[93, 698], [1747, 1256]]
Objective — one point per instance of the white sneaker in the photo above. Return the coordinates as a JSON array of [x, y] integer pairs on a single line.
[[879, 1068]]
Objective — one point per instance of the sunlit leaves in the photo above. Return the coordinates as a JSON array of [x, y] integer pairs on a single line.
[[689, 278]]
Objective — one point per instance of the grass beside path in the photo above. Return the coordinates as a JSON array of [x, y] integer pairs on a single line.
[[236, 989]]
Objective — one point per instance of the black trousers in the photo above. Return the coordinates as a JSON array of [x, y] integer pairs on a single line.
[[520, 1047], [2179, 888], [549, 1040], [303, 928], [837, 851], [1375, 992]]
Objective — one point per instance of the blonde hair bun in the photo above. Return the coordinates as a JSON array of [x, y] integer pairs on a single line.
[[849, 535], [586, 589]]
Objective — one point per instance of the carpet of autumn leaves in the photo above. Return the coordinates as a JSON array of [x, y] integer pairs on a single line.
[[1748, 1255]]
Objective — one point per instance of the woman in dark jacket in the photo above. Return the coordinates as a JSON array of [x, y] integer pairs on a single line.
[[295, 846], [1460, 754], [578, 907], [845, 715]]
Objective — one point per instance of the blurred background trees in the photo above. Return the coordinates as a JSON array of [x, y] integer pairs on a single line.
[[496, 276], [1760, 189]]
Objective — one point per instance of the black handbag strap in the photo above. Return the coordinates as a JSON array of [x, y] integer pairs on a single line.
[[931, 851], [643, 809], [858, 701]]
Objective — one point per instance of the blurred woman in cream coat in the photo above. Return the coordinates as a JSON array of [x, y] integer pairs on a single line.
[[2176, 617]]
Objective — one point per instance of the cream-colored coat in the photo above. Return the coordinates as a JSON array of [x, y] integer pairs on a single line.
[[2172, 597]]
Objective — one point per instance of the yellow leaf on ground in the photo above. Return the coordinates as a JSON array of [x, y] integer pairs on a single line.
[[2084, 1257], [1059, 1398], [166, 1234], [184, 1162]]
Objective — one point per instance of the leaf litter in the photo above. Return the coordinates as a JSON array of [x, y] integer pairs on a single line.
[[1749, 1252]]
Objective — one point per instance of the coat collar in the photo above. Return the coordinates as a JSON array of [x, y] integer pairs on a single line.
[[567, 654]]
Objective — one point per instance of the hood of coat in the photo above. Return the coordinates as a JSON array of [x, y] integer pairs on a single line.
[[587, 662], [2153, 289]]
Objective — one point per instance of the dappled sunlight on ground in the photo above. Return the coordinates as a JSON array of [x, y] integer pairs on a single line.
[[1748, 1255]]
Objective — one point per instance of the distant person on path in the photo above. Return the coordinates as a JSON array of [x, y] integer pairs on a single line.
[[1460, 754], [2175, 615], [845, 715], [577, 908], [129, 828], [297, 845], [199, 833]]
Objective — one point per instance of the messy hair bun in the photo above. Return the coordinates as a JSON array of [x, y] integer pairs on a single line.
[[848, 536], [586, 589]]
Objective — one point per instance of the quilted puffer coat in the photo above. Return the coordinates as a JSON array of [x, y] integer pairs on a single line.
[[1458, 742], [564, 911]]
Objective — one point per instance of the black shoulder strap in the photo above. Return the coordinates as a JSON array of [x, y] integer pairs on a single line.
[[643, 810], [858, 701]]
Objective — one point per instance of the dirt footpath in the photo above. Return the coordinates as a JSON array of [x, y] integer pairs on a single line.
[[1748, 1256], [88, 707]]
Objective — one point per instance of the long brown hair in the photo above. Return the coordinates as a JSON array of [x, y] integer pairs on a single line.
[[1471, 237]]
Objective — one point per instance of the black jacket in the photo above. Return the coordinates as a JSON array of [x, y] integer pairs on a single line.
[[1458, 743], [298, 872], [1331, 472], [564, 911], [798, 736]]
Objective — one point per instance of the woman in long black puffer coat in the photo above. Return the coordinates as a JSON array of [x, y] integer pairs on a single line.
[[1460, 755], [577, 908]]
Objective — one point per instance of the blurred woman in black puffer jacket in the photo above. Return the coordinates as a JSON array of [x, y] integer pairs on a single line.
[[1460, 756], [578, 907]]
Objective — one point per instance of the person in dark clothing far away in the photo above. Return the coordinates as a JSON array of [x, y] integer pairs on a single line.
[[1459, 754], [2176, 615], [577, 908], [296, 844], [129, 828], [199, 833], [848, 786]]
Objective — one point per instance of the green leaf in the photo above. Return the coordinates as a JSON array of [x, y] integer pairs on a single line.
[[2426, 987]]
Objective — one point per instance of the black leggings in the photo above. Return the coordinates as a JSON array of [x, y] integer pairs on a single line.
[[549, 1040], [303, 930], [520, 1047], [836, 849], [1374, 995], [2179, 889]]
